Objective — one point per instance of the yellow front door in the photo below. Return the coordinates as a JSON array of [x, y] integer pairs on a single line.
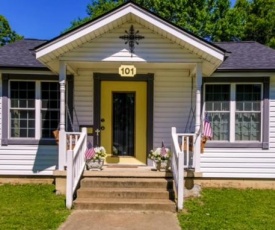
[[123, 118]]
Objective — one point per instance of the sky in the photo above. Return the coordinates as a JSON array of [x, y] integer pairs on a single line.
[[43, 19]]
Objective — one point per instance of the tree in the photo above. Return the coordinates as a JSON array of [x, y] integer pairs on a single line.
[[7, 35], [259, 23], [211, 19]]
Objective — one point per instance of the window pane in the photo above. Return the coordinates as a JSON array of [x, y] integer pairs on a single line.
[[22, 94], [220, 125], [22, 112], [248, 122], [217, 98], [248, 126], [50, 105], [22, 123]]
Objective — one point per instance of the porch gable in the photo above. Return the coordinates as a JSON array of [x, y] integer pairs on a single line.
[[50, 53]]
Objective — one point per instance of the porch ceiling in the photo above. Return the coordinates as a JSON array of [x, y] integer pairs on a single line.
[[50, 53]]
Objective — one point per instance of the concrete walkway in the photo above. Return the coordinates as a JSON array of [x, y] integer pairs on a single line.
[[121, 220]]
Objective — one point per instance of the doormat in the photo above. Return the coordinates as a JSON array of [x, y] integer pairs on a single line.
[[121, 166]]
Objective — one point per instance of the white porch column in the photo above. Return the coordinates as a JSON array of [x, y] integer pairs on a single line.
[[198, 117], [62, 138]]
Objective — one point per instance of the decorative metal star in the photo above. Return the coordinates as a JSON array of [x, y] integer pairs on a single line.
[[132, 38]]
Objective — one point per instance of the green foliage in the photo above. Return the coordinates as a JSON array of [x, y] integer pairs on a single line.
[[99, 7], [7, 35], [31, 207], [214, 20], [260, 23], [230, 209]]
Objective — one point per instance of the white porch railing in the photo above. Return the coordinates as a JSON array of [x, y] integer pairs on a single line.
[[182, 157], [75, 164]]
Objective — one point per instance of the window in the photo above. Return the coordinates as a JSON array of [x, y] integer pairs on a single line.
[[22, 109], [31, 101], [217, 106], [248, 112], [30, 108], [235, 111], [50, 107]]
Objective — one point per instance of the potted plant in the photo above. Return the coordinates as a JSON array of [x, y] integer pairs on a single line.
[[94, 158], [161, 158]]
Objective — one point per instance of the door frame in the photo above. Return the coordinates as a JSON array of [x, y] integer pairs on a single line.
[[148, 78]]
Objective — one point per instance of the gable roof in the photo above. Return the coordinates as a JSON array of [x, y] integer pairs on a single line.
[[121, 6], [247, 56], [209, 54], [20, 54]]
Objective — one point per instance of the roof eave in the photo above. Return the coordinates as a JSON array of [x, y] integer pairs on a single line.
[[23, 68], [244, 70]]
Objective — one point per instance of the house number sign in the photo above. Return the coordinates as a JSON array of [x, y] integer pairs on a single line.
[[127, 71]]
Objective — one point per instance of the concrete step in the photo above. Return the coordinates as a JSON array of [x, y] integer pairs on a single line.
[[127, 183], [125, 204], [128, 193]]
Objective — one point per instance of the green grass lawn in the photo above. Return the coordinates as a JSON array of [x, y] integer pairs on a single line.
[[230, 209], [31, 207]]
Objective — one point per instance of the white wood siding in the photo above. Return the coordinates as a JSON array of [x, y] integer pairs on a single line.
[[172, 105], [83, 100], [243, 163], [109, 47], [28, 160]]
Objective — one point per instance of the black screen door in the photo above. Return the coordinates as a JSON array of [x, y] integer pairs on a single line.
[[123, 123]]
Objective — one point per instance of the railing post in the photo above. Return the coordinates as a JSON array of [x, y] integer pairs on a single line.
[[70, 179], [180, 182]]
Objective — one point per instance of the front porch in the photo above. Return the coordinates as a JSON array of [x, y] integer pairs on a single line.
[[130, 112], [167, 102]]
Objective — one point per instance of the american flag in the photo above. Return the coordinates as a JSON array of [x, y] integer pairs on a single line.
[[207, 129], [89, 154], [163, 150]]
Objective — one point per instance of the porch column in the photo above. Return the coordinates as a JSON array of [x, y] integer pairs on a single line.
[[198, 117], [62, 138]]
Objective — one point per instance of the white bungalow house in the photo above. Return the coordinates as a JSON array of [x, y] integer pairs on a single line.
[[133, 76]]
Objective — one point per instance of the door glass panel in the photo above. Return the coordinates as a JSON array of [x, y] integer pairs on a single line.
[[123, 123]]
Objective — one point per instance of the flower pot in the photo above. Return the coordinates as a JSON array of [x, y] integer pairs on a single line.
[[94, 165], [162, 165]]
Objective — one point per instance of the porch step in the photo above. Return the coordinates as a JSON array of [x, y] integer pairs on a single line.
[[125, 193], [127, 183], [148, 194], [125, 204]]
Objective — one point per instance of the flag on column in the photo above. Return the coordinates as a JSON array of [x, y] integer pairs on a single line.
[[163, 150], [207, 129], [90, 153]]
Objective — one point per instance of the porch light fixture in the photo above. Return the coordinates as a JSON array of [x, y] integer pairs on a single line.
[[132, 37]]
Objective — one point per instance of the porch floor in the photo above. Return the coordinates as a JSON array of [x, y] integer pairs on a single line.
[[128, 171]]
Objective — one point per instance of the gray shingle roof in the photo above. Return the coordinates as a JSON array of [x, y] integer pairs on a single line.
[[247, 56], [243, 56], [20, 54]]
